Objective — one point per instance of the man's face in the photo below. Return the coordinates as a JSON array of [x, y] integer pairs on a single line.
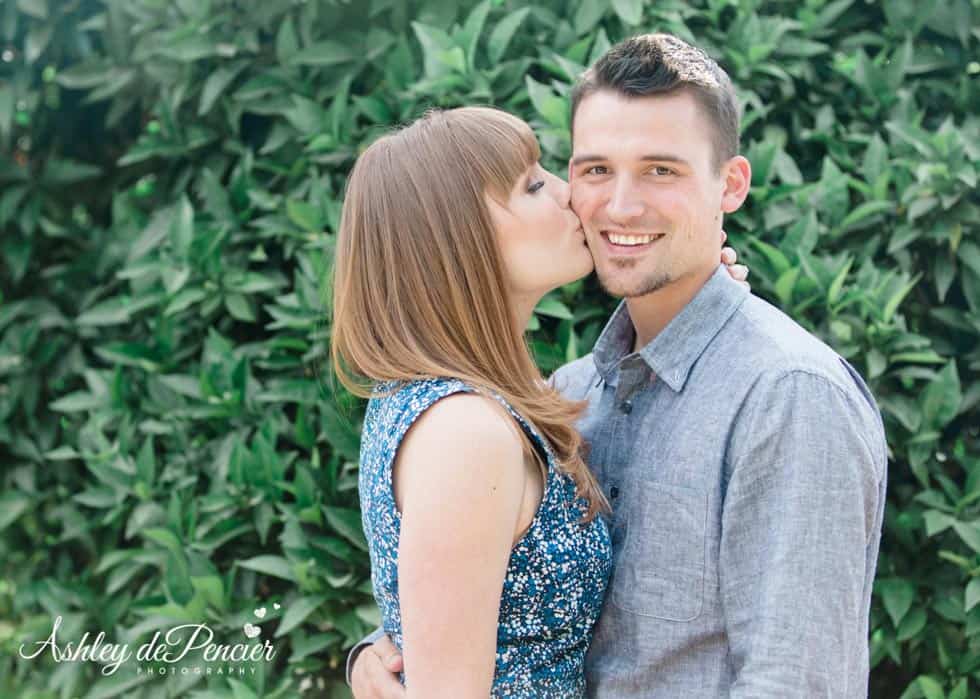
[[643, 184]]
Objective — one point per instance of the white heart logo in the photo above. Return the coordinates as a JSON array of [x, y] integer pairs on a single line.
[[252, 631], [276, 606], [260, 612]]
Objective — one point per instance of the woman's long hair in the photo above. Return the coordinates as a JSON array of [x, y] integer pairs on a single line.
[[419, 284]]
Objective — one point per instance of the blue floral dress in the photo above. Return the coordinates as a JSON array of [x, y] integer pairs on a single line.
[[556, 577]]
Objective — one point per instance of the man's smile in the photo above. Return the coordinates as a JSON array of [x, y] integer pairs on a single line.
[[629, 242]]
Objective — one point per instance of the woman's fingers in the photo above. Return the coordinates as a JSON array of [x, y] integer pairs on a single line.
[[728, 256]]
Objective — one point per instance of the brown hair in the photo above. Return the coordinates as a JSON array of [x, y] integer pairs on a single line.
[[419, 285], [662, 64]]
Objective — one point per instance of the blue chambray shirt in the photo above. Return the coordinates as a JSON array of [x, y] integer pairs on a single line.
[[745, 462]]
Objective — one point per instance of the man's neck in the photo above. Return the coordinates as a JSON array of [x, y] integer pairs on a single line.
[[652, 313]]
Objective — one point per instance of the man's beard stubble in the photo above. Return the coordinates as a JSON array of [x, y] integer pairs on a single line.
[[654, 282]]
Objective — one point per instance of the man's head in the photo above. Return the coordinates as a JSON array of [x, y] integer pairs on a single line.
[[655, 162]]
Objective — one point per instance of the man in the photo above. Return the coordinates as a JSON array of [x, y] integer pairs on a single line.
[[745, 460]]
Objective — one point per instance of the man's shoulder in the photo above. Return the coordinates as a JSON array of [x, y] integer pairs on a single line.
[[574, 379], [786, 358], [774, 345]]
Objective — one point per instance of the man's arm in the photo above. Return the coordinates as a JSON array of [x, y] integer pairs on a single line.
[[801, 516]]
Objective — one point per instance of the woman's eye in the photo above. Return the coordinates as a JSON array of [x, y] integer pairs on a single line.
[[535, 186]]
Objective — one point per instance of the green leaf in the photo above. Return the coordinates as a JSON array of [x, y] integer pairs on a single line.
[[79, 401], [875, 159], [833, 294], [297, 612], [897, 595], [970, 533], [588, 15], [110, 312], [960, 690], [37, 9], [12, 505], [240, 690], [912, 625], [630, 11], [287, 44], [937, 522], [276, 566], [942, 397], [165, 538], [502, 34], [931, 689], [305, 216], [470, 32], [182, 226], [896, 300], [323, 53], [969, 254], [865, 214], [972, 594], [552, 108], [184, 300], [120, 684], [217, 82], [436, 45], [347, 523], [550, 306], [189, 48], [61, 172], [146, 463]]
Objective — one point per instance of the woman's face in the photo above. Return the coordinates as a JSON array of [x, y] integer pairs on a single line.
[[540, 237]]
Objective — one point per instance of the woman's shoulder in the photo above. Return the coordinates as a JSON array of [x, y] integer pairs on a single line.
[[446, 405], [406, 391]]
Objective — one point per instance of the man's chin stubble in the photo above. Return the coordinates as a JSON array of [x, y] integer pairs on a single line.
[[646, 286]]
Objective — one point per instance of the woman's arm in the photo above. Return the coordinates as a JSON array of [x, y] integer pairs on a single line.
[[459, 483]]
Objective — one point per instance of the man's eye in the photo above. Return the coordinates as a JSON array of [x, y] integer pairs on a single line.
[[596, 170], [663, 171], [535, 186]]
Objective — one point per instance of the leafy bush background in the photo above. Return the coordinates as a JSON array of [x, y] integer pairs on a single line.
[[172, 448]]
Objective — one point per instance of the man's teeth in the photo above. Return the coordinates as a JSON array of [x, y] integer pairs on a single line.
[[631, 239]]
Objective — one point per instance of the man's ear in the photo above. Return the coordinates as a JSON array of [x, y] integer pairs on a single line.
[[737, 176]]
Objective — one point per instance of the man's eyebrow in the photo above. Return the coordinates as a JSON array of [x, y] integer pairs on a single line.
[[652, 157]]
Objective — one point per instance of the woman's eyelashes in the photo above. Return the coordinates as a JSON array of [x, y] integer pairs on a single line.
[[535, 186]]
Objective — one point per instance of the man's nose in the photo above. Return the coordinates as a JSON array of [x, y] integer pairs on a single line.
[[625, 204]]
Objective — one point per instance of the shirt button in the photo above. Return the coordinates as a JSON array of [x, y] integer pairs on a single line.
[[626, 406], [614, 492]]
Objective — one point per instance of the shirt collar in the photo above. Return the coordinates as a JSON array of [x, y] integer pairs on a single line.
[[674, 351]]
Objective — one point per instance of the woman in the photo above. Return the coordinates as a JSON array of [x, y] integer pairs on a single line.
[[489, 562]]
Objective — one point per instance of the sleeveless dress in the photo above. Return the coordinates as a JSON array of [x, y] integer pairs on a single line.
[[556, 576]]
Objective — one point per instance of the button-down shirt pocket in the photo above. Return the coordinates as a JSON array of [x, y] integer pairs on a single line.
[[660, 572]]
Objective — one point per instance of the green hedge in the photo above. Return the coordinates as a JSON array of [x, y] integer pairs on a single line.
[[172, 447]]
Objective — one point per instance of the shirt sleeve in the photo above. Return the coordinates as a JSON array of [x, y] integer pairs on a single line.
[[800, 525], [358, 647]]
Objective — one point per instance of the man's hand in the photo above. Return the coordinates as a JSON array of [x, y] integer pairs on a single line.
[[375, 672]]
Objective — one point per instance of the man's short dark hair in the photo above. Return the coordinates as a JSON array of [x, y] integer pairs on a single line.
[[662, 64]]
